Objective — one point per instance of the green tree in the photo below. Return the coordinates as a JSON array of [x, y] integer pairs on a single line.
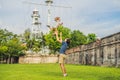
[[10, 46], [91, 38], [3, 52], [5, 36], [32, 43], [77, 38], [26, 34], [14, 49], [50, 39]]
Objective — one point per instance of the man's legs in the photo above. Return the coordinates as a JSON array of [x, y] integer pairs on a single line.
[[63, 68], [61, 61]]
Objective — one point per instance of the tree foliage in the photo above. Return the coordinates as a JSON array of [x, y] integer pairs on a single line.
[[10, 46], [77, 38], [32, 43], [50, 39], [91, 37]]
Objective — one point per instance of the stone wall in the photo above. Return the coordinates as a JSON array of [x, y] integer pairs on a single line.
[[104, 52], [37, 58]]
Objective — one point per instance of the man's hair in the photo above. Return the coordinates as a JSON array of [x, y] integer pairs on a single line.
[[68, 41]]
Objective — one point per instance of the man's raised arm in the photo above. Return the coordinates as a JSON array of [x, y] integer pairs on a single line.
[[58, 39]]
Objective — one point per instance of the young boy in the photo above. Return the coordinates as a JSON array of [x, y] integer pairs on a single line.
[[63, 48], [58, 23]]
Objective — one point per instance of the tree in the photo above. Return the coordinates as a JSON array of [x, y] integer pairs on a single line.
[[5, 36], [26, 34], [3, 51], [91, 38], [10, 46], [32, 43], [50, 39], [14, 49], [77, 38]]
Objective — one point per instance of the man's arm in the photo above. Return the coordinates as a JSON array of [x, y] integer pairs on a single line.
[[61, 36], [58, 39]]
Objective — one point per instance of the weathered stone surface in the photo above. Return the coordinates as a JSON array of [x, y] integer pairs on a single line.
[[104, 52], [38, 59]]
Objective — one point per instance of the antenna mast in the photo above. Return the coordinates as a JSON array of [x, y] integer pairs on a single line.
[[49, 3]]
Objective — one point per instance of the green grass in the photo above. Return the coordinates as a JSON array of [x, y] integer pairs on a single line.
[[53, 72]]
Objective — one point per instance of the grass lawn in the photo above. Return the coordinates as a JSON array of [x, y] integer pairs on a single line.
[[53, 72]]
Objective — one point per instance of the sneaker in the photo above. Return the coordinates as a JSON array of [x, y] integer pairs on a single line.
[[65, 75]]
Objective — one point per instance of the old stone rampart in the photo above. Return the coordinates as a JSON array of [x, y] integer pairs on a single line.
[[104, 52]]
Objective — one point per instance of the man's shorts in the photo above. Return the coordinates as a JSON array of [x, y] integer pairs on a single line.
[[62, 58]]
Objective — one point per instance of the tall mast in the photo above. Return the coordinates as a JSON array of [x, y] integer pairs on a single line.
[[49, 3]]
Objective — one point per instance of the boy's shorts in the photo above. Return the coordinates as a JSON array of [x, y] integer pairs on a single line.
[[62, 58]]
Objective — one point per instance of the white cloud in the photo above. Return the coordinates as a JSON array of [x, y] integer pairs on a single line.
[[101, 29], [116, 3]]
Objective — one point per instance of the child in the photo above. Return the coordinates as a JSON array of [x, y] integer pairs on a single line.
[[58, 23]]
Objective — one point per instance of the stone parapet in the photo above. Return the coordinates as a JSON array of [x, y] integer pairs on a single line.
[[102, 52], [36, 58]]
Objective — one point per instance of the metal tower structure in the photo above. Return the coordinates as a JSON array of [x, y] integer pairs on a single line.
[[49, 3], [35, 31]]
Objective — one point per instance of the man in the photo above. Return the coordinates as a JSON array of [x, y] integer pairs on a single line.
[[63, 48]]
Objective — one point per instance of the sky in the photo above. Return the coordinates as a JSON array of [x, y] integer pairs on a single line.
[[101, 17]]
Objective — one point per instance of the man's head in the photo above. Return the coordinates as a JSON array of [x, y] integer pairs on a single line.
[[67, 40]]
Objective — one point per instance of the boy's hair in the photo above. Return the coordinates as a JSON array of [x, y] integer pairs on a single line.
[[57, 18]]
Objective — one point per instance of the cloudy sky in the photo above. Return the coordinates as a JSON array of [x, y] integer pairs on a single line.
[[101, 17]]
